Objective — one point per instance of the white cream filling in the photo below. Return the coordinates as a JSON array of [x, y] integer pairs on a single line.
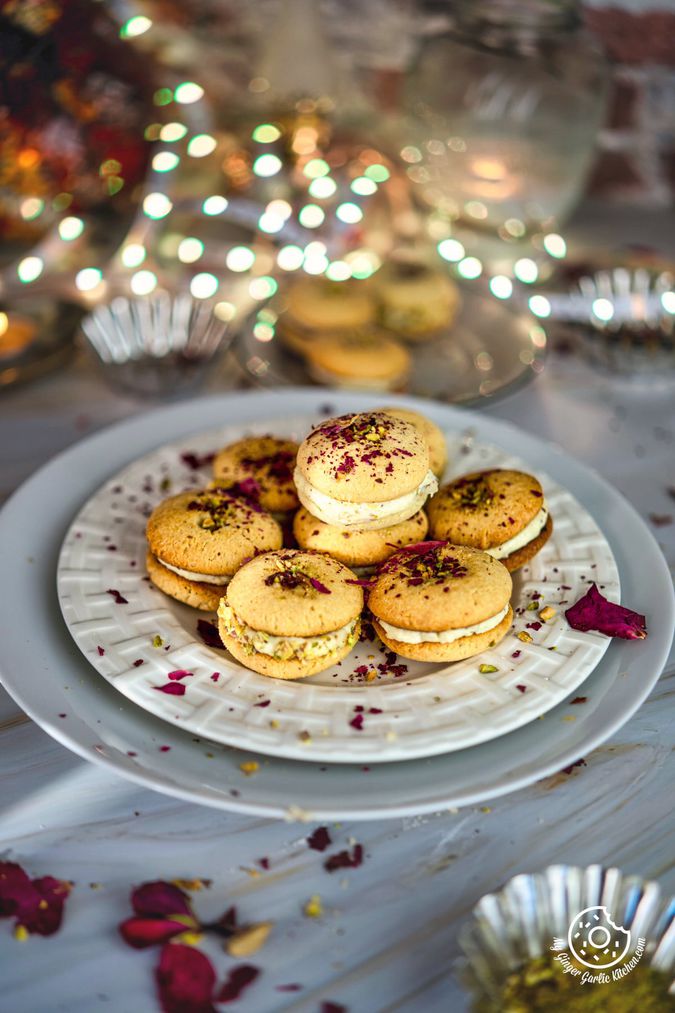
[[524, 537], [354, 515], [204, 578], [442, 636], [267, 643]]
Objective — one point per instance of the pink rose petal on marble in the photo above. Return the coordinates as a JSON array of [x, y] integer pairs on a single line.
[[185, 980], [160, 898], [595, 612], [238, 979], [145, 931]]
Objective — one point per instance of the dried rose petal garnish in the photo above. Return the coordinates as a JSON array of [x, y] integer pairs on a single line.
[[36, 904], [209, 634], [171, 689], [162, 911], [319, 840], [345, 860], [595, 612], [239, 978], [185, 980]]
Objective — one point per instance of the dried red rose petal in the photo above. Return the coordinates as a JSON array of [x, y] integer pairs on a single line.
[[595, 612], [238, 979], [196, 461], [160, 898], [318, 586], [36, 904], [332, 1007], [185, 980], [319, 840], [209, 634], [145, 931], [343, 859], [118, 598], [171, 689], [357, 722], [178, 673]]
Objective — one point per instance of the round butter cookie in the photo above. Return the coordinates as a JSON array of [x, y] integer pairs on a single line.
[[264, 466], [438, 449], [440, 602], [290, 614], [199, 540], [360, 550], [500, 511], [329, 305], [416, 301], [360, 360], [364, 471]]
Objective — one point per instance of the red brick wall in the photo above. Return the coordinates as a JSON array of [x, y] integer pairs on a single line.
[[636, 160]]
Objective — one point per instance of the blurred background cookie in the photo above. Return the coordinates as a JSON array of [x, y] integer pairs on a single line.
[[415, 301], [363, 360]]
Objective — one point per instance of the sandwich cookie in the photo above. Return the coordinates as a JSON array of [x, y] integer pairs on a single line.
[[320, 304], [198, 541], [362, 551], [360, 360], [415, 300], [291, 614], [262, 466], [440, 602], [364, 471], [500, 511], [438, 450]]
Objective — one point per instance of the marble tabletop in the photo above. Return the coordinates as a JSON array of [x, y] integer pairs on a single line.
[[387, 935]]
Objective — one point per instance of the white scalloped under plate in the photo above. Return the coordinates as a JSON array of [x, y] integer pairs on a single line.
[[407, 709]]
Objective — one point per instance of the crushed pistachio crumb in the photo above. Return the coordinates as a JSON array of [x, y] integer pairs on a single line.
[[533, 606], [157, 641], [525, 637], [21, 933], [486, 669], [248, 940], [249, 767], [547, 613], [313, 908]]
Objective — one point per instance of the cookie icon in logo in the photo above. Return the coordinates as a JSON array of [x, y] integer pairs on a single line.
[[595, 940]]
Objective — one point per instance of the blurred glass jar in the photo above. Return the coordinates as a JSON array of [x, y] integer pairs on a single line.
[[504, 111]]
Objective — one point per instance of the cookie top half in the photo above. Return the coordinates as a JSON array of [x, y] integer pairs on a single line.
[[294, 593], [367, 457], [210, 532], [485, 508], [437, 586], [266, 460]]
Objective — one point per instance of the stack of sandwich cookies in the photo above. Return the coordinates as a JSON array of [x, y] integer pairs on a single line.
[[440, 602], [291, 614], [502, 512], [262, 467], [198, 540], [362, 551], [364, 471], [435, 440], [361, 360]]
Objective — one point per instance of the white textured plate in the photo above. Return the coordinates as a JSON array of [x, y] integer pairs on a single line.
[[417, 710], [56, 686]]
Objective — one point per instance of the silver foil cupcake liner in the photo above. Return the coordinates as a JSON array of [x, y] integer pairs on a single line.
[[156, 346], [584, 912]]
